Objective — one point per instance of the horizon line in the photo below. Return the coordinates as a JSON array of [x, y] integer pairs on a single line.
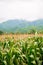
[[20, 19]]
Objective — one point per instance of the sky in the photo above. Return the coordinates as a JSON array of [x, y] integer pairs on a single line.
[[21, 9]]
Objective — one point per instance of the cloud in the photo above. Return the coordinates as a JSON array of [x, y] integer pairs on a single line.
[[21, 0], [28, 9]]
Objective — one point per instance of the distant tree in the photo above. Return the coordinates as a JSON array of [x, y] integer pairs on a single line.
[[11, 32], [32, 31], [1, 32]]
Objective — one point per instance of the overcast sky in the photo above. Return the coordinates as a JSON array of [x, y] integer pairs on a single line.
[[21, 9]]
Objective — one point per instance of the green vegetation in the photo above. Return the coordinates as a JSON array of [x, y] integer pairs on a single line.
[[1, 32], [32, 31], [22, 52], [22, 26]]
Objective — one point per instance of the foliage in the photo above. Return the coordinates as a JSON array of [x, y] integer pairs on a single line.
[[32, 31], [1, 32], [22, 52]]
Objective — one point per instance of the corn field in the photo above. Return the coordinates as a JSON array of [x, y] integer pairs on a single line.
[[21, 52]]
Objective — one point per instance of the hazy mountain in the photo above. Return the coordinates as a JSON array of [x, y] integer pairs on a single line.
[[21, 25]]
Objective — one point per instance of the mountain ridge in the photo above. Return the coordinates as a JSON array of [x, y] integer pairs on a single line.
[[21, 26]]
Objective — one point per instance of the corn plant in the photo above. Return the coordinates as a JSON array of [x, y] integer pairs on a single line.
[[21, 52]]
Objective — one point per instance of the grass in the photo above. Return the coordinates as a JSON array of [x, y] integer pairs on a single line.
[[21, 52]]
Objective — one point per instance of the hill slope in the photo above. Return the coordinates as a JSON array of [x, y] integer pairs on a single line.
[[21, 26]]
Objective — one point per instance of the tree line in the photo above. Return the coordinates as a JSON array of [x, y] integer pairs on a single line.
[[32, 31]]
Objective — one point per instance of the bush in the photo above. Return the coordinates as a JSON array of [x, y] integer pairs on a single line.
[[1, 32]]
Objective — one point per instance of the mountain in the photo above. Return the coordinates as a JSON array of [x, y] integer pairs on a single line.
[[21, 26]]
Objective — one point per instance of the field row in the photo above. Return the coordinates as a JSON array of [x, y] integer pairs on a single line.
[[18, 36], [21, 52]]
